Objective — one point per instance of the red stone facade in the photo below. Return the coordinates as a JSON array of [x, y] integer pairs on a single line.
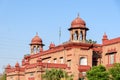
[[75, 56]]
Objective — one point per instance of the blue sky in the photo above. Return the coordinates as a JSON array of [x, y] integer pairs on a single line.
[[21, 19]]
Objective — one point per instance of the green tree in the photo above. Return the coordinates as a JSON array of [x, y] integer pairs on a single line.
[[98, 73], [3, 77], [115, 72], [56, 74], [91, 41]]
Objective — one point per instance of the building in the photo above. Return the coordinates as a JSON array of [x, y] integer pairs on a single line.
[[75, 56]]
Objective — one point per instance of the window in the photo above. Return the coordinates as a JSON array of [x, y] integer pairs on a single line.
[[69, 63], [11, 78], [81, 35], [55, 60], [34, 49], [38, 49], [76, 35], [83, 61], [84, 73], [111, 58], [61, 60]]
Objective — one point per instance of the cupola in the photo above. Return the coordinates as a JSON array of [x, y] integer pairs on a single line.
[[17, 65], [78, 30], [36, 44], [36, 40], [78, 23]]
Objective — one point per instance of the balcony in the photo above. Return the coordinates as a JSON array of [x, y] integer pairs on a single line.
[[31, 78], [109, 65], [84, 68]]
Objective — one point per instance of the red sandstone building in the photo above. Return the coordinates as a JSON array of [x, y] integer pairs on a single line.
[[75, 56]]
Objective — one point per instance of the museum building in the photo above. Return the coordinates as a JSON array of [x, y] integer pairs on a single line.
[[76, 56]]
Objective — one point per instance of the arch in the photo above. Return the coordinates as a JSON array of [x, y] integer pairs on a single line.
[[34, 49], [76, 35], [83, 61], [81, 35], [38, 49]]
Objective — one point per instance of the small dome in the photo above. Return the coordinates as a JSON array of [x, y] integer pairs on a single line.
[[105, 37], [78, 22], [8, 66], [52, 45], [17, 65], [36, 40]]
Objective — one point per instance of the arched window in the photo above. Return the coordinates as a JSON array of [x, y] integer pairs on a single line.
[[76, 35], [83, 61], [38, 49], [81, 35], [34, 49]]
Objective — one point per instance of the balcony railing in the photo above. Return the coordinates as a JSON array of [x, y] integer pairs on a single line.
[[84, 68], [109, 65]]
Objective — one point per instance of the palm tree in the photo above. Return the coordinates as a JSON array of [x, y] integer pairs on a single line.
[[56, 74]]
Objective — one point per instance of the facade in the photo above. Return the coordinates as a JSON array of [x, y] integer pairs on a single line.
[[75, 56]]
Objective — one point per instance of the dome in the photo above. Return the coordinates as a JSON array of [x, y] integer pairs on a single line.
[[17, 65], [36, 40], [78, 22], [8, 66]]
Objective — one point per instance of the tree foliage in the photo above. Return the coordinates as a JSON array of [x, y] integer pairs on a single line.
[[98, 73], [115, 72], [91, 41], [56, 74], [3, 77]]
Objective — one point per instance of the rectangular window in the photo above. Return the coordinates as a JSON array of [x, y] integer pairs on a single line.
[[11, 78], [55, 60], [111, 58], [61, 60], [48, 61], [69, 63]]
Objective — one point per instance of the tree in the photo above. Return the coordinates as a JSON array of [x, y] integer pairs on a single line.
[[98, 73], [91, 41], [56, 74], [115, 72], [3, 77]]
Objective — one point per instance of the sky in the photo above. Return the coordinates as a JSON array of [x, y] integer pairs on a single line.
[[21, 19]]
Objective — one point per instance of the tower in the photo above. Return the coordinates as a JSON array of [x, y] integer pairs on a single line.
[[36, 45], [78, 30], [105, 38]]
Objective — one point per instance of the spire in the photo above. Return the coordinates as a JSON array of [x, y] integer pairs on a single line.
[[78, 15], [104, 38], [36, 33]]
